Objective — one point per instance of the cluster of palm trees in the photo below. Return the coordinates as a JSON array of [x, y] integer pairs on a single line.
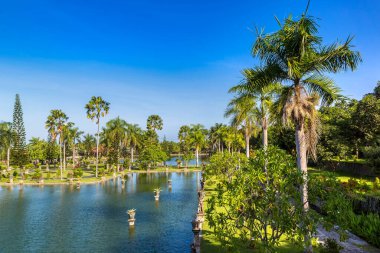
[[288, 85]]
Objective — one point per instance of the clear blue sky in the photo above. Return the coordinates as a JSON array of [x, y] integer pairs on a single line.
[[175, 58]]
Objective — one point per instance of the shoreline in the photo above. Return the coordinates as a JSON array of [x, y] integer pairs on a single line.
[[65, 182]]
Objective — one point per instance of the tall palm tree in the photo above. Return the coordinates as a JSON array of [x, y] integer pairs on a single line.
[[242, 109], [264, 93], [154, 122], [216, 136], [89, 141], [197, 137], [295, 55], [74, 138], [134, 135], [55, 124], [97, 108], [114, 135], [65, 138], [6, 138]]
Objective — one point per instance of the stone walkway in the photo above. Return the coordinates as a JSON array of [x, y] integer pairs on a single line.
[[353, 244]]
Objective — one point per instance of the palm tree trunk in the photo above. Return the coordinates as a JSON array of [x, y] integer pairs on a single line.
[[8, 156], [197, 157], [64, 156], [60, 157], [247, 141], [302, 167], [97, 151], [130, 164], [265, 137], [74, 156]]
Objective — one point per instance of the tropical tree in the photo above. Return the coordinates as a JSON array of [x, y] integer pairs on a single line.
[[74, 137], [65, 138], [154, 123], [55, 124], [134, 136], [6, 139], [197, 135], [88, 143], [215, 136], [264, 93], [295, 55], [97, 108], [185, 143], [114, 135], [36, 149], [242, 109]]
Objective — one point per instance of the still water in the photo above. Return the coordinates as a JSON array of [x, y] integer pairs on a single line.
[[94, 218]]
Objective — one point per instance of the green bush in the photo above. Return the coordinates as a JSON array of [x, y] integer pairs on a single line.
[[376, 184], [69, 174], [37, 174], [101, 172], [330, 246], [367, 227], [78, 173], [15, 173]]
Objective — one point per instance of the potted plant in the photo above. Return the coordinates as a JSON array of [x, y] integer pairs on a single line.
[[157, 193]]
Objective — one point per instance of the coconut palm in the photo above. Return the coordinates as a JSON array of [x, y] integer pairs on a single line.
[[295, 55], [197, 138], [65, 138], [264, 93], [74, 138], [6, 138], [242, 109], [114, 135], [97, 108], [55, 124], [89, 141], [216, 136], [134, 135]]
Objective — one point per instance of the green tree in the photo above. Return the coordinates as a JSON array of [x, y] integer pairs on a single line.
[[154, 123], [37, 149], [252, 205], [263, 92], [97, 108], [295, 54], [197, 139], [55, 124], [134, 135], [185, 143], [242, 109], [6, 139], [89, 142], [18, 151]]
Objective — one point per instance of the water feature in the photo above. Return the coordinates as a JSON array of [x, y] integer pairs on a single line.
[[93, 218], [173, 161]]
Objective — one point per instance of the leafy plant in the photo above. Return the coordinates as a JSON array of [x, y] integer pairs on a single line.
[[330, 246], [78, 173]]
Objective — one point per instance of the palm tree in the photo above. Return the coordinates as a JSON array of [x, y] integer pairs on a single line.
[[197, 137], [216, 136], [114, 135], [295, 55], [243, 112], [55, 125], [97, 108], [262, 92], [6, 138], [89, 141], [65, 138], [74, 138], [154, 123], [134, 135]]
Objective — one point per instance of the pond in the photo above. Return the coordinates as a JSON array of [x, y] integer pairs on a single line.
[[94, 219], [173, 161]]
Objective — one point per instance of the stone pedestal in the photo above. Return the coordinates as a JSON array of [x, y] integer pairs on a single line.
[[131, 222], [156, 197], [21, 182], [41, 181], [11, 180], [78, 185]]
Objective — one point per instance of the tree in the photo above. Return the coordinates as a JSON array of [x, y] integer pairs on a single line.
[[6, 139], [154, 123], [55, 124], [243, 112], [74, 137], [37, 149], [296, 55], [216, 136], [252, 206], [18, 151], [97, 108], [185, 143], [134, 135], [197, 138], [114, 135], [262, 92], [89, 142]]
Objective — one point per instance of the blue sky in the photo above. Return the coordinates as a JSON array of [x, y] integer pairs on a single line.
[[175, 58]]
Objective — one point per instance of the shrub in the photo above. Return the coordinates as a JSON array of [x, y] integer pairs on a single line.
[[15, 173], [78, 173], [352, 184], [69, 174], [37, 174], [101, 172], [367, 227], [48, 176], [376, 184], [330, 246]]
